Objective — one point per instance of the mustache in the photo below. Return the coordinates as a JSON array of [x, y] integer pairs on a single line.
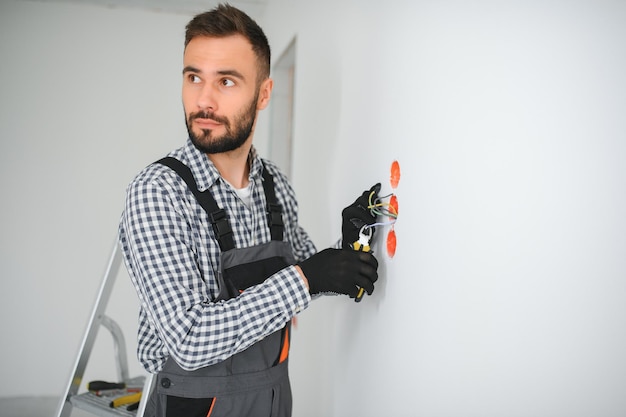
[[208, 115]]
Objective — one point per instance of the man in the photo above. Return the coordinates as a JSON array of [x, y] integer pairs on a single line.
[[212, 243]]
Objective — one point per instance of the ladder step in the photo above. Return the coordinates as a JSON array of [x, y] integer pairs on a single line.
[[99, 405]]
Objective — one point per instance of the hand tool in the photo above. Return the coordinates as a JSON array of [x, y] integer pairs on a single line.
[[115, 392], [126, 399], [133, 406], [362, 245], [109, 389], [104, 385]]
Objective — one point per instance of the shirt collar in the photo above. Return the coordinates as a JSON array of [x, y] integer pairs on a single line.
[[256, 166], [206, 174]]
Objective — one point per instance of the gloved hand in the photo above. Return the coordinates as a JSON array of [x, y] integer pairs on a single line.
[[340, 271], [356, 216]]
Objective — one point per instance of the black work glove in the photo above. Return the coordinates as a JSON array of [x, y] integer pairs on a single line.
[[357, 215], [340, 271]]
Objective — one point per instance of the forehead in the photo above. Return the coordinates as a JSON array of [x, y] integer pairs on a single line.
[[210, 53]]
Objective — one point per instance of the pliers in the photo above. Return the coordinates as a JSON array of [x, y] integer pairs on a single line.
[[363, 245]]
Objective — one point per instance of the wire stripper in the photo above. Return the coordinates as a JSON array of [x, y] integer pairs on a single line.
[[362, 245]]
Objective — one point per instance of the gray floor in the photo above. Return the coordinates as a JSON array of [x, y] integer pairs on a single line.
[[34, 407]]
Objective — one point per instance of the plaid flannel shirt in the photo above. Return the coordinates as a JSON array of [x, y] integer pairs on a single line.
[[172, 258]]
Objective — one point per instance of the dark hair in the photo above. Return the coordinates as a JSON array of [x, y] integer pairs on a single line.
[[226, 20]]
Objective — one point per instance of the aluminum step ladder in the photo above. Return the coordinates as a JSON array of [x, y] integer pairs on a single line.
[[88, 401]]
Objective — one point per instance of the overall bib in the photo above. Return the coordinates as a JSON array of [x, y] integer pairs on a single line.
[[255, 381]]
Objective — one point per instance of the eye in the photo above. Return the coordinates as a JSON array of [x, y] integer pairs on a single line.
[[194, 79], [227, 82]]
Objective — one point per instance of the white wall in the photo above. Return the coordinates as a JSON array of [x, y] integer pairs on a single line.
[[506, 295], [88, 96]]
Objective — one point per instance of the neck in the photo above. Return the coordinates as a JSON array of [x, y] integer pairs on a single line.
[[233, 166]]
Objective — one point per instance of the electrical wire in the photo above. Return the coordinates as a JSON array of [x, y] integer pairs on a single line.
[[380, 208]]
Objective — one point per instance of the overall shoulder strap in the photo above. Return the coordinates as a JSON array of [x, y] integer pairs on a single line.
[[217, 216], [274, 210]]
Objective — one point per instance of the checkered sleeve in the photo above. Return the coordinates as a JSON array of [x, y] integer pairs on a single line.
[[161, 246]]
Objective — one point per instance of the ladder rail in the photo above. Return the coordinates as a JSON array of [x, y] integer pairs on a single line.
[[95, 320], [147, 391], [119, 347]]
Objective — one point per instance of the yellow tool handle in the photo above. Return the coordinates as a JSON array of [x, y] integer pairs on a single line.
[[126, 399], [362, 245], [359, 296], [361, 248]]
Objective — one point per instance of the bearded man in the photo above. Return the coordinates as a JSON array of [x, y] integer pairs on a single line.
[[213, 246]]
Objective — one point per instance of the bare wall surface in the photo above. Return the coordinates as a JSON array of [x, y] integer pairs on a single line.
[[88, 97], [506, 294]]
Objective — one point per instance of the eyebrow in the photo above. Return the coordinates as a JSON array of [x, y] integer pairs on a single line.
[[227, 72], [189, 68]]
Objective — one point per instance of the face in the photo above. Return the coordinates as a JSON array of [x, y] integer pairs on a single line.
[[221, 92]]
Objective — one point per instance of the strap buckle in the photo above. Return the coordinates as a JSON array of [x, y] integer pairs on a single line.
[[221, 227]]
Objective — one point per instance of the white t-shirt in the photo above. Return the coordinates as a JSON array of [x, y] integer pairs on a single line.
[[245, 194]]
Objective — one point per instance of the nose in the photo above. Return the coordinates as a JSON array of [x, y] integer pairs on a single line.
[[207, 99]]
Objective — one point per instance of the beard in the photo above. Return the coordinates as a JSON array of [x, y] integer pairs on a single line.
[[237, 132]]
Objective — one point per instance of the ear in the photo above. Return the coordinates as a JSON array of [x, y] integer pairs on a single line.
[[265, 92]]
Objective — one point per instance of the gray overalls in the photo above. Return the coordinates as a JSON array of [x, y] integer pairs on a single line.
[[251, 383]]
